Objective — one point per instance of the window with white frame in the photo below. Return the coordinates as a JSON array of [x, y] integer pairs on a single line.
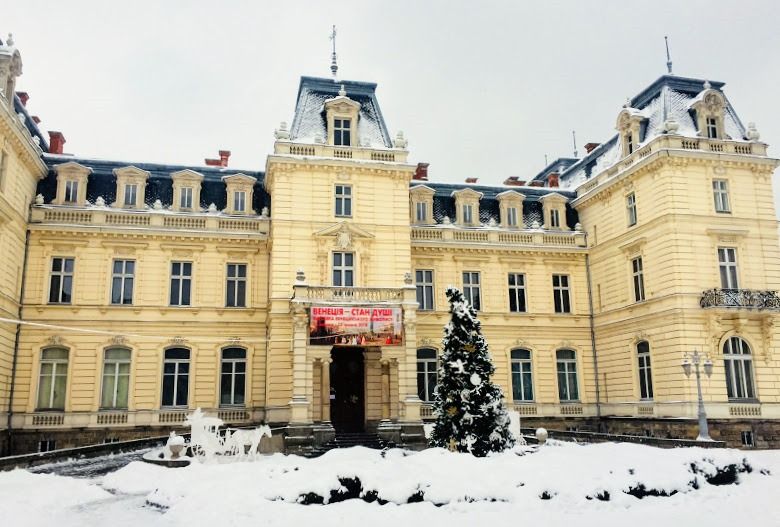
[[422, 212], [176, 377], [343, 269], [471, 290], [468, 213], [122, 282], [631, 209], [181, 283], [185, 198], [232, 384], [561, 293], [344, 200], [61, 281], [712, 128], [630, 143], [239, 201], [566, 361], [427, 375], [424, 285], [236, 285], [116, 378], [739, 369], [638, 278], [727, 263], [555, 219], [47, 445], [522, 376], [645, 370], [131, 194], [517, 293], [720, 192], [71, 191], [53, 379], [342, 132], [511, 217]]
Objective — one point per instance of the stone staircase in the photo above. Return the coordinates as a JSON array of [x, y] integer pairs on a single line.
[[350, 439]]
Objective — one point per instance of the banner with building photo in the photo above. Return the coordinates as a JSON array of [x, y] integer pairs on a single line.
[[355, 326]]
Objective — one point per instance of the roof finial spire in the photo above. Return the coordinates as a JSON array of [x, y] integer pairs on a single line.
[[574, 141], [334, 67], [668, 56]]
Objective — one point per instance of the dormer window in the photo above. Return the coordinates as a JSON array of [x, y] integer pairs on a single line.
[[71, 184], [131, 195], [555, 219], [342, 129], [240, 188], [511, 217], [468, 214], [712, 128], [554, 209], [239, 201], [422, 212], [71, 191], [185, 198], [630, 143], [130, 187], [421, 206], [186, 190]]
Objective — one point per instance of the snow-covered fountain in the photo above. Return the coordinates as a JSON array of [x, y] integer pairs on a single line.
[[209, 442]]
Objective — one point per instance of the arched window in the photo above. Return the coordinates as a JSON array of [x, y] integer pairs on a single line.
[[116, 378], [645, 373], [522, 378], [176, 377], [567, 375], [232, 390], [426, 373], [53, 379], [739, 369]]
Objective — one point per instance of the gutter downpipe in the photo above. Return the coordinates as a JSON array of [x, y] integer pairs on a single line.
[[593, 333], [9, 427]]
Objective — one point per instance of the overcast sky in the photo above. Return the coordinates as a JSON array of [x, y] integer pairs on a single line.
[[481, 89]]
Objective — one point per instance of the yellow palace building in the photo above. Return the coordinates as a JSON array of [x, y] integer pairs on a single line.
[[309, 293]]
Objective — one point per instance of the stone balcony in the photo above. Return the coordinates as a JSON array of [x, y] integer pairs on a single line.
[[64, 215], [740, 299], [307, 295], [383, 155], [435, 235]]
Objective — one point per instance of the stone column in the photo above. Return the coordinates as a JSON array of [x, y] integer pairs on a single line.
[[300, 405], [407, 366], [325, 376], [385, 389]]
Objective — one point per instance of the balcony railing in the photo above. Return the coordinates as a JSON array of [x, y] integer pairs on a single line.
[[350, 295], [383, 155], [740, 298], [525, 237]]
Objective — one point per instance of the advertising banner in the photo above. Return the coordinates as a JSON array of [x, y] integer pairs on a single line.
[[355, 326]]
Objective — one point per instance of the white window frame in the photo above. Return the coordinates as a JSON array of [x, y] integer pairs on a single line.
[[343, 201], [233, 282], [712, 127], [123, 277], [555, 219], [185, 198], [71, 191], [631, 211], [638, 279], [738, 362], [232, 374], [176, 374], [645, 370], [562, 293], [511, 217], [567, 366], [630, 143], [344, 272], [720, 194], [131, 194], [63, 275], [517, 291], [342, 128], [111, 369], [424, 279], [468, 213], [728, 267], [521, 366], [58, 373], [472, 289], [239, 201], [181, 278], [421, 212], [428, 367]]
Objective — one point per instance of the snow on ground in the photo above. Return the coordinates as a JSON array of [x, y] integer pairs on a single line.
[[455, 489]]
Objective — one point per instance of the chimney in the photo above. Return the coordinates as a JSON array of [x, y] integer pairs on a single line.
[[513, 181], [552, 180], [23, 96], [56, 142], [224, 155], [36, 119], [421, 174], [591, 146], [471, 180], [536, 183]]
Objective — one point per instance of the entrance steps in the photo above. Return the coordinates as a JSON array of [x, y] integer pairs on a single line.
[[350, 439]]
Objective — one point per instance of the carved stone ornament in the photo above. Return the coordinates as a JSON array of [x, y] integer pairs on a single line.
[[118, 340], [178, 341], [712, 102], [55, 340], [408, 278], [344, 238]]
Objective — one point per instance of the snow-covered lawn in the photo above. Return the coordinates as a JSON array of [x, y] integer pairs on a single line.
[[558, 484]]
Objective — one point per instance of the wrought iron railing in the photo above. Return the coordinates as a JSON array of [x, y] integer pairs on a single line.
[[740, 298]]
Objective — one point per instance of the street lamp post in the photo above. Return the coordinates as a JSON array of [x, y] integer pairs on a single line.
[[694, 359]]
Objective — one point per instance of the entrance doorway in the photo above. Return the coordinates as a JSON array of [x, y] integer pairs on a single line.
[[347, 400]]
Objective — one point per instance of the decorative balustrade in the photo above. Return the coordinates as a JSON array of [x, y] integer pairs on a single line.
[[353, 295], [151, 219], [427, 235], [740, 298], [341, 152]]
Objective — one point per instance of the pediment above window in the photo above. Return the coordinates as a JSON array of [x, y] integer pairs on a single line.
[[131, 173], [344, 234], [510, 195], [467, 194], [239, 179], [187, 175], [422, 191]]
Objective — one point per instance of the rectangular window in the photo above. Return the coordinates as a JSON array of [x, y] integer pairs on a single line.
[[720, 191], [468, 216], [47, 445], [236, 285], [712, 128], [185, 198], [232, 385], [747, 438], [343, 269], [122, 280], [61, 282], [176, 377], [424, 284], [239, 201], [342, 129], [422, 212], [522, 378], [511, 217], [637, 273], [645, 371], [343, 200], [53, 379], [727, 261], [517, 293], [116, 378], [131, 194], [631, 209], [561, 293], [181, 283], [471, 289], [426, 374], [555, 219], [71, 191], [568, 389], [630, 143]]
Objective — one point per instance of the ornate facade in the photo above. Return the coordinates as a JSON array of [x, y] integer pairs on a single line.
[[310, 294]]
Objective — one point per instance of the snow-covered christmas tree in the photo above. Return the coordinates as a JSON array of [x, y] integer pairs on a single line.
[[470, 415]]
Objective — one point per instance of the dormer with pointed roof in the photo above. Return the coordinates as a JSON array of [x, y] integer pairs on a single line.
[[71, 184], [130, 187], [10, 69]]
